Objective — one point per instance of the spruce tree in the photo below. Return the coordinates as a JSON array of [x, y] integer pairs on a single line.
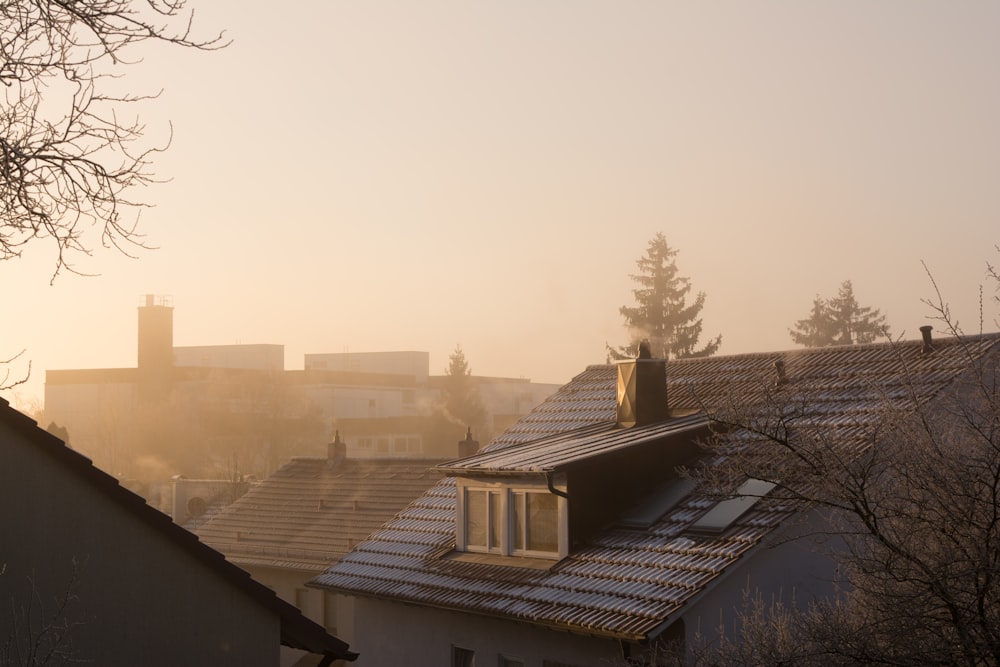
[[462, 400], [839, 321], [661, 314]]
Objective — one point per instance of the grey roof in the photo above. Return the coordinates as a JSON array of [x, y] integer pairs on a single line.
[[309, 513], [630, 582], [563, 450]]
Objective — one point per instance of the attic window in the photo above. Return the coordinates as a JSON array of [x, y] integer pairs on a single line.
[[509, 520], [726, 512]]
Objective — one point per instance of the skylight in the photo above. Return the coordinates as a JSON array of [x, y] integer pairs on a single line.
[[726, 512]]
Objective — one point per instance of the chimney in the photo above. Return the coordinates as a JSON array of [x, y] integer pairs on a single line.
[[156, 333], [642, 390], [928, 346], [156, 348], [336, 451], [467, 447]]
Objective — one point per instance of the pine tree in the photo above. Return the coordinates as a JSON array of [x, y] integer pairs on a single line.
[[661, 314], [839, 321], [461, 396]]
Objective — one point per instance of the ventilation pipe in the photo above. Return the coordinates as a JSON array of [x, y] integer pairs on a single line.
[[779, 367], [928, 346]]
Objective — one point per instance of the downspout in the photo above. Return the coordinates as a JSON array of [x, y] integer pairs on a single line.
[[553, 489]]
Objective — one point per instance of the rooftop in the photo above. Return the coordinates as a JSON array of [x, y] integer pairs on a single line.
[[628, 581], [311, 512]]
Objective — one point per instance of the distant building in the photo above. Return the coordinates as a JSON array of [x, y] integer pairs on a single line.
[[90, 573], [238, 406]]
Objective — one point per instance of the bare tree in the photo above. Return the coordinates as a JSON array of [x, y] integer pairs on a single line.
[[40, 630], [9, 381], [70, 158], [912, 491]]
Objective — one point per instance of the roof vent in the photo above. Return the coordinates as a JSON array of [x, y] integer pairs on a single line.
[[642, 389], [782, 378], [928, 346]]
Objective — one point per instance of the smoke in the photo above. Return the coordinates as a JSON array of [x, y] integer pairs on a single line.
[[149, 466]]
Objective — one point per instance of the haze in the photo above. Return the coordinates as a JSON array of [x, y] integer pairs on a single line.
[[411, 176]]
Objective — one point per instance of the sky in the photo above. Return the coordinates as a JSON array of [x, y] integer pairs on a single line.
[[392, 175]]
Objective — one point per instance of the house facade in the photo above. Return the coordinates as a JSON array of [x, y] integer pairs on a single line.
[[89, 572], [574, 539]]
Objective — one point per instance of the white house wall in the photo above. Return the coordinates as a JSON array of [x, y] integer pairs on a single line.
[[390, 634]]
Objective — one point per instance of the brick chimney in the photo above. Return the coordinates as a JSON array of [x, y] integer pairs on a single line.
[[467, 447], [336, 451], [642, 390]]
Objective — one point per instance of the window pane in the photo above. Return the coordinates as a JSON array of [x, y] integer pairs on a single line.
[[496, 521], [543, 522], [475, 519], [518, 521]]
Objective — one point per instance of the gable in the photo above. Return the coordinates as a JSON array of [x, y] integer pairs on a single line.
[[137, 574]]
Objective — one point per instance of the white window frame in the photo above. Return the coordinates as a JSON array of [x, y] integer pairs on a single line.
[[505, 495]]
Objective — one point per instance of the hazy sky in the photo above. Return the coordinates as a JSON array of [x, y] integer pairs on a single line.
[[367, 176]]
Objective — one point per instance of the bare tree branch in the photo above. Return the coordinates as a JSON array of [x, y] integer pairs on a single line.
[[68, 162]]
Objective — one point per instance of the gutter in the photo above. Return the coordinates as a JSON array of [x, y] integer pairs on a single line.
[[552, 489]]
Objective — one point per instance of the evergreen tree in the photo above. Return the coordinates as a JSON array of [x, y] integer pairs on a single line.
[[661, 314], [461, 395], [839, 321]]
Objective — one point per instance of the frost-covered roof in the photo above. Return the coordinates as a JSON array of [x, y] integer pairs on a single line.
[[629, 580], [310, 512]]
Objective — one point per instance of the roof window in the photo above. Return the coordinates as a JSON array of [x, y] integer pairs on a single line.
[[727, 511]]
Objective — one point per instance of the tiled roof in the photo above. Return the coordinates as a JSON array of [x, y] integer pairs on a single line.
[[297, 631], [309, 513], [624, 582]]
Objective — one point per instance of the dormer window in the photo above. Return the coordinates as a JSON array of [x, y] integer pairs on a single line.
[[483, 520], [510, 520], [535, 522]]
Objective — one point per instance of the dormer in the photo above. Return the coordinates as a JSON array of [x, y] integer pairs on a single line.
[[540, 498]]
